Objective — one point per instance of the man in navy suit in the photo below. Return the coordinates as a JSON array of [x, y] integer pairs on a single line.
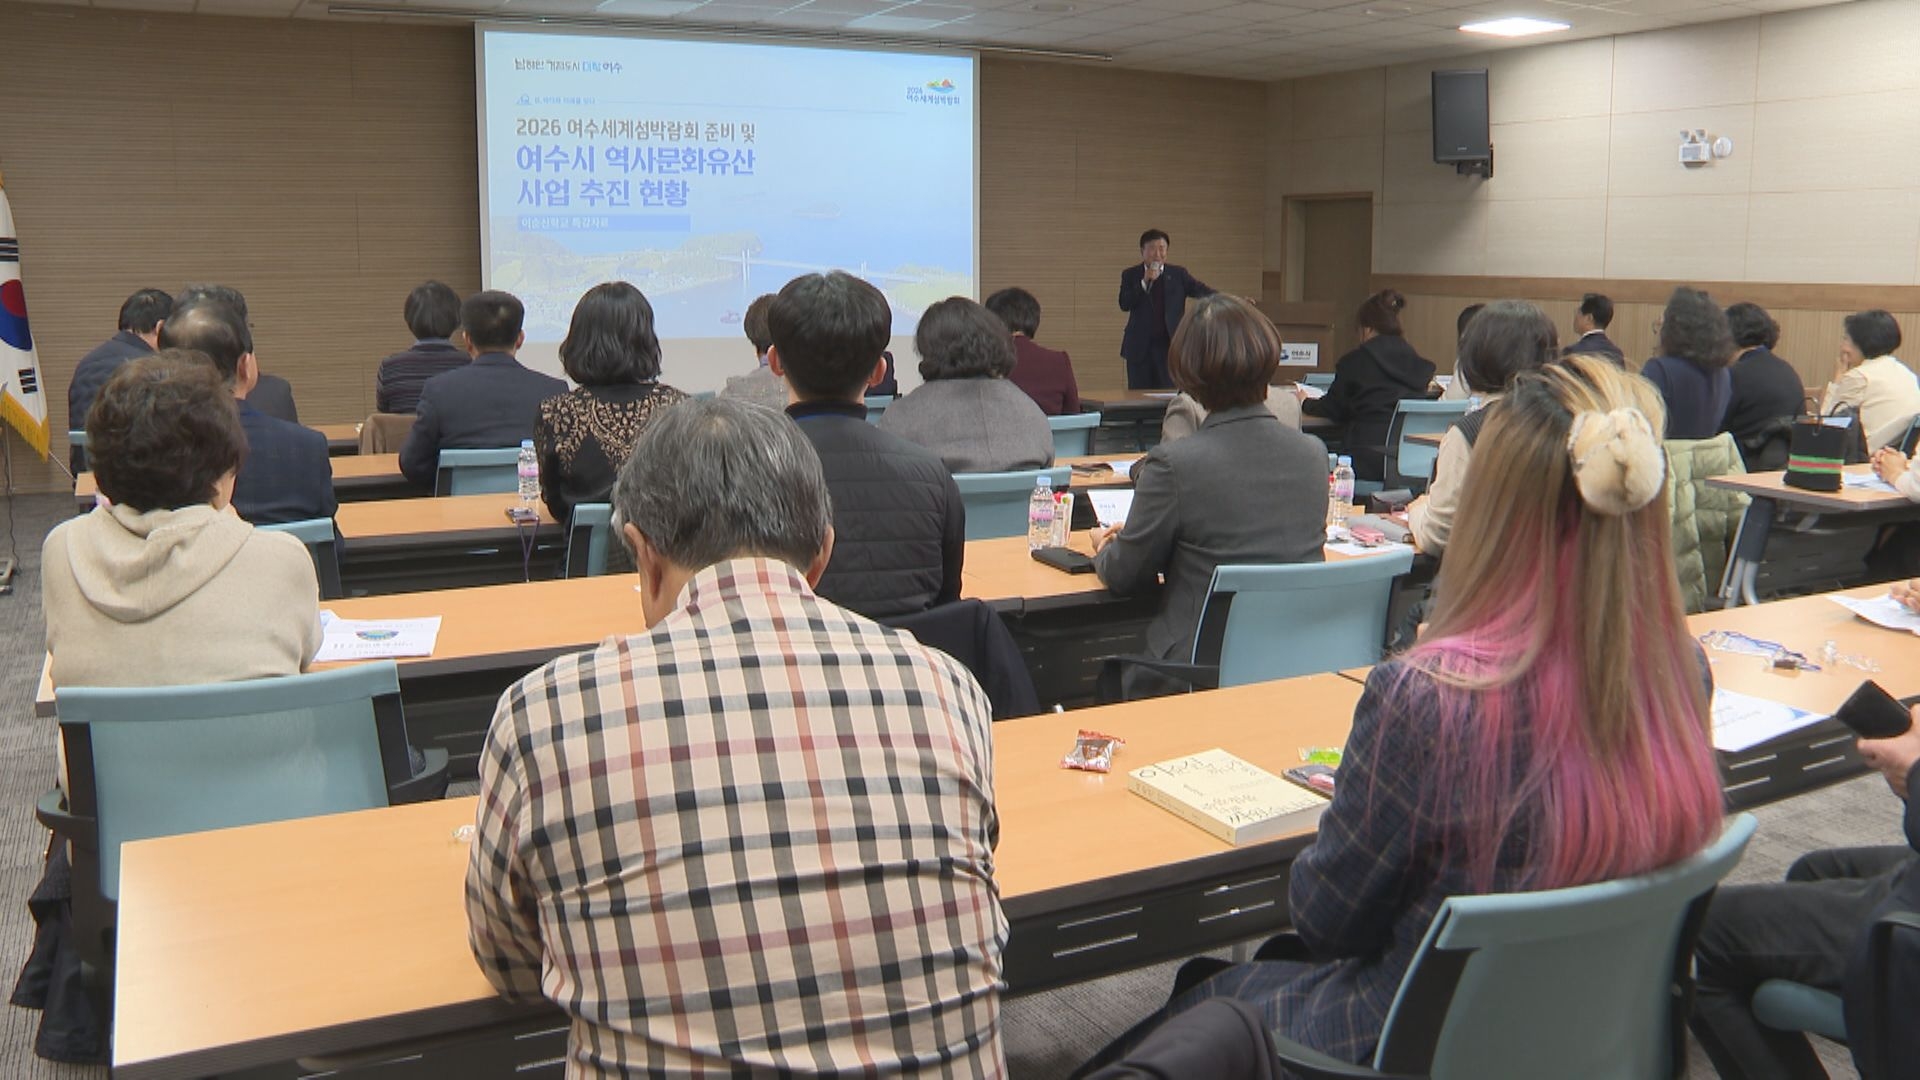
[[286, 475], [489, 404], [1590, 330], [1154, 295]]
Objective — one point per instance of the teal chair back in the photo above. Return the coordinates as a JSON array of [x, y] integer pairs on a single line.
[[478, 472], [160, 761], [1278, 621], [588, 534], [1409, 464], [1073, 435], [997, 502], [1319, 380], [77, 440], [703, 395], [877, 407], [1571, 983], [322, 544]]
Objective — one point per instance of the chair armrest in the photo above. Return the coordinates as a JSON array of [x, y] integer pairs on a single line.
[[51, 810], [1310, 1064], [1107, 689], [427, 785]]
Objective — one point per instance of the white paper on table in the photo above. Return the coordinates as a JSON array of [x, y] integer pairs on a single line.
[[1881, 611], [1111, 505], [1122, 468], [1866, 481], [1444, 382], [1311, 392], [1348, 547], [375, 639], [1168, 395], [1741, 720]]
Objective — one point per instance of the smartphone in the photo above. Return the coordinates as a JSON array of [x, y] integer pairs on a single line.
[[1061, 558], [1872, 713], [522, 515], [1315, 778]]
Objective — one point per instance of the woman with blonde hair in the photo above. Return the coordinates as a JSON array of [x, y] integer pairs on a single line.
[[1550, 729]]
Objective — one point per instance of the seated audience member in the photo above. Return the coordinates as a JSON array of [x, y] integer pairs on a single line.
[[759, 386], [1456, 388], [139, 335], [287, 476], [1766, 389], [761, 932], [1872, 381], [1370, 382], [166, 586], [1185, 415], [966, 410], [888, 385], [1045, 374], [1506, 339], [1808, 929], [1194, 507], [271, 394], [584, 435], [1590, 321], [491, 403], [1441, 792], [1691, 373], [433, 314], [900, 529]]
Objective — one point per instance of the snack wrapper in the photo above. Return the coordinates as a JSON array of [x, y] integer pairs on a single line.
[[1092, 752]]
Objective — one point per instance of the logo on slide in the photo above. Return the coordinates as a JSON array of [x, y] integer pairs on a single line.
[[937, 92]]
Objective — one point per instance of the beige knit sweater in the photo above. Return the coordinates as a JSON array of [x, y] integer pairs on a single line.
[[175, 597]]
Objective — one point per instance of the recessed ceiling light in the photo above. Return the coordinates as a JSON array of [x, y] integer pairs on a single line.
[[1387, 11], [1051, 7], [1515, 26]]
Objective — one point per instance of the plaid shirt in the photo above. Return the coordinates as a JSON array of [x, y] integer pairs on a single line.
[[758, 837]]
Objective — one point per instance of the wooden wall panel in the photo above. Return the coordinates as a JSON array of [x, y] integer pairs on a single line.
[[326, 168]]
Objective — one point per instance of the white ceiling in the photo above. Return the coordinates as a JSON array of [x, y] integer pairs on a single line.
[[1245, 39]]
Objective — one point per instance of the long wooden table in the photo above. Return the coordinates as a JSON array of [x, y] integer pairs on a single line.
[[407, 545], [356, 478], [1769, 493], [341, 438], [246, 947]]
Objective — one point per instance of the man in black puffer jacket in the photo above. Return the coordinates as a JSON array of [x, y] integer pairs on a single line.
[[899, 527]]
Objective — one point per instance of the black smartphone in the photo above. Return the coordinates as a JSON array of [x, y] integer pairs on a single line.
[[1872, 713], [1064, 559]]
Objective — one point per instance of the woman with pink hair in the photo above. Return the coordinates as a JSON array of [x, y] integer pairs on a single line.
[[1550, 729]]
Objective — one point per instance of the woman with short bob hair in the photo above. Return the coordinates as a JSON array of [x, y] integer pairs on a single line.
[[1872, 381], [164, 584], [967, 411], [1244, 488], [583, 436]]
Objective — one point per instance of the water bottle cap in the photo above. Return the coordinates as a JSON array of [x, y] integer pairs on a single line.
[[1345, 460], [1043, 480], [526, 444]]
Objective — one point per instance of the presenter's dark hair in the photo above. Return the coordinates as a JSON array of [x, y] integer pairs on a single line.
[[755, 323], [1694, 329], [1225, 353], [829, 330], [1380, 312], [1018, 308], [433, 310], [611, 341], [1466, 316], [210, 326], [959, 339], [163, 431], [1151, 235], [145, 310], [1874, 333], [1598, 308], [1507, 338], [1752, 327], [492, 320]]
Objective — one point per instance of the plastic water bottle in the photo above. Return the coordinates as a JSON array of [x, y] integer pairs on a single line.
[[1040, 512], [1340, 494], [529, 470]]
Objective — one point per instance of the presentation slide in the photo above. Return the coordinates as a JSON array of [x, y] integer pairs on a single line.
[[709, 172]]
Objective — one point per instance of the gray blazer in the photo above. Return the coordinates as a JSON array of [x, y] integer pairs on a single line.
[[760, 387], [974, 425], [1245, 488]]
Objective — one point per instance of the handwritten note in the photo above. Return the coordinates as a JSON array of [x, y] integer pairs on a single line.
[[1111, 506], [1881, 611], [1742, 721], [1311, 392]]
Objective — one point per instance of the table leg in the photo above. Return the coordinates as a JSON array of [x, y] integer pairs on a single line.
[[1749, 548]]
